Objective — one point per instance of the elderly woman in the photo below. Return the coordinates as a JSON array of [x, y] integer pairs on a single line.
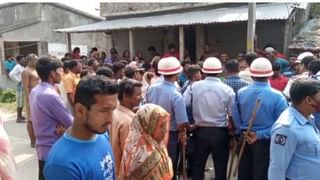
[[145, 155]]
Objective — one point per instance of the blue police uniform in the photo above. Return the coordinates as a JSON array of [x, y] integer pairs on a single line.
[[211, 102], [316, 116], [295, 147], [273, 103], [166, 95], [255, 160]]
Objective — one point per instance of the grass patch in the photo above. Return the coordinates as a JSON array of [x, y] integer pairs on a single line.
[[7, 95], [8, 100], [8, 107]]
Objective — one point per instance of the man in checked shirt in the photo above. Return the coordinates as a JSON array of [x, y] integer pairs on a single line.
[[232, 75]]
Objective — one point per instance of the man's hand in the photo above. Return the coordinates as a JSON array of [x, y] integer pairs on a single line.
[[182, 129], [191, 127], [250, 137], [183, 138], [60, 129], [231, 127]]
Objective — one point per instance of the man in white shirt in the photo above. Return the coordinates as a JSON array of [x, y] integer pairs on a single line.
[[15, 75], [212, 102]]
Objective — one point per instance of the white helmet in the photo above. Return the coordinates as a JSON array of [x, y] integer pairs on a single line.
[[269, 49], [169, 66], [212, 65], [303, 55], [261, 67]]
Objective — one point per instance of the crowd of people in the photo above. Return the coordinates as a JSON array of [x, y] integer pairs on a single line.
[[113, 117]]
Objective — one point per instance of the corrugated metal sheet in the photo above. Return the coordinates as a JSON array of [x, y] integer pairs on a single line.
[[273, 11]]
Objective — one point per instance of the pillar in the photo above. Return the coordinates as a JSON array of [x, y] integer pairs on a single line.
[[181, 43], [131, 44]]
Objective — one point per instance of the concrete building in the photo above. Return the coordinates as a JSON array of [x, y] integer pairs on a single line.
[[28, 28], [135, 26]]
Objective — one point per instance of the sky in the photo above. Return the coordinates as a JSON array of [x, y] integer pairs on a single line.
[[89, 6]]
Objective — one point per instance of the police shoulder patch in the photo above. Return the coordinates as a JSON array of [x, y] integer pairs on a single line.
[[280, 139]]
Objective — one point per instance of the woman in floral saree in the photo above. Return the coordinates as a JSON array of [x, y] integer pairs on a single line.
[[145, 155]]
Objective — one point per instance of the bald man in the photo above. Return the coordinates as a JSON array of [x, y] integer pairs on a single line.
[[30, 79]]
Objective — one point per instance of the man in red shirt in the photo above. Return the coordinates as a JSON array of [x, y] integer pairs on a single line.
[[172, 52], [278, 81]]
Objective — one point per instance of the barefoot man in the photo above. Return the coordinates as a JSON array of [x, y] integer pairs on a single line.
[[30, 79]]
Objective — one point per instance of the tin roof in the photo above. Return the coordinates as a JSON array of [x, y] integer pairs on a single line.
[[270, 11]]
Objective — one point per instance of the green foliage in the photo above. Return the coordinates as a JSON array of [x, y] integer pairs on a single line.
[[7, 95], [314, 9]]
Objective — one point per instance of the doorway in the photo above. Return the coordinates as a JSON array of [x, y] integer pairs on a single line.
[[190, 41], [22, 47]]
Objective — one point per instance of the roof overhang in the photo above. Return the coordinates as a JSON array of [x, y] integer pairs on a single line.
[[270, 11], [18, 24]]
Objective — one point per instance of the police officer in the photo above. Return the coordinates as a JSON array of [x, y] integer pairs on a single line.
[[255, 160], [212, 102], [295, 141], [166, 95]]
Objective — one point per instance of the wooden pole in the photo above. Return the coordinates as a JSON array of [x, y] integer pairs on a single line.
[[184, 173], [131, 44], [253, 117], [233, 155], [251, 27], [2, 57], [181, 43]]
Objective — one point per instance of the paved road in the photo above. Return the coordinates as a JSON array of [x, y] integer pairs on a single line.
[[25, 156]]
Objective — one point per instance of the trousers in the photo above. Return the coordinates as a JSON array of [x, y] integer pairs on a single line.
[[255, 161], [214, 141]]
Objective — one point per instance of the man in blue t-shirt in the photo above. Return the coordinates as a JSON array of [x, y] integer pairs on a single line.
[[9, 64], [84, 151], [272, 56]]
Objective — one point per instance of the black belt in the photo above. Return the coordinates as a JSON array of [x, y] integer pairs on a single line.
[[206, 127]]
